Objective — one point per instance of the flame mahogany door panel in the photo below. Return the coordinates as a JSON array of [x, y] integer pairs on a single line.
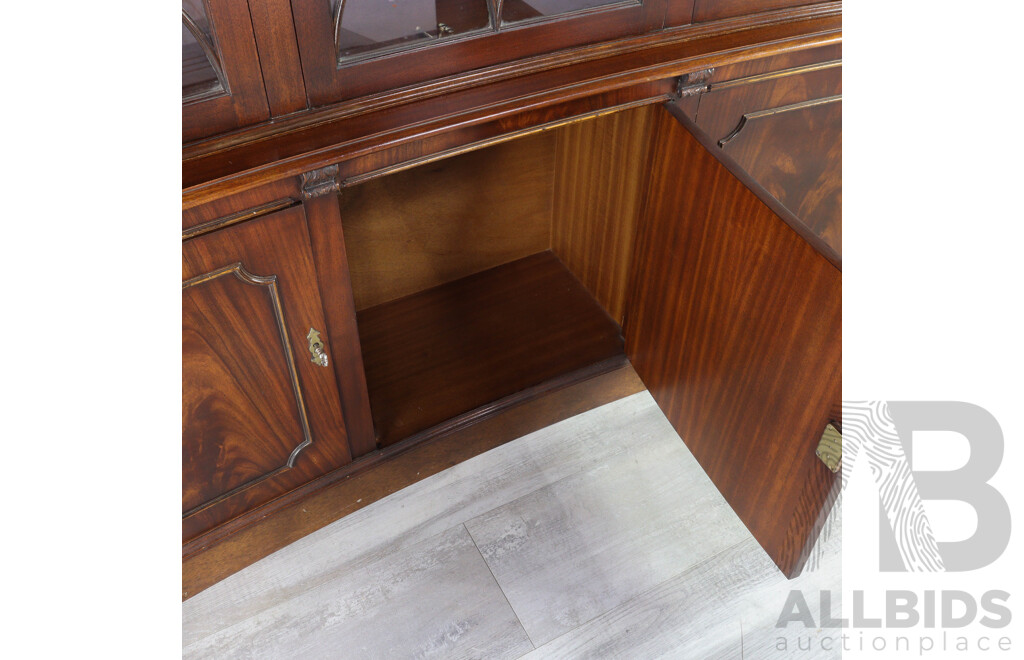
[[785, 128], [259, 417], [796, 154], [733, 324]]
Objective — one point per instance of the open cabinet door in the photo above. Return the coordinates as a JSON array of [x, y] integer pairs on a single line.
[[734, 325]]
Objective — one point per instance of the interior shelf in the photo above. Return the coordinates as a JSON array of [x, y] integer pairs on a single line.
[[440, 353]]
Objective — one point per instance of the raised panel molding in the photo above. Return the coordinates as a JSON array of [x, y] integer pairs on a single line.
[[269, 282], [236, 217], [761, 114]]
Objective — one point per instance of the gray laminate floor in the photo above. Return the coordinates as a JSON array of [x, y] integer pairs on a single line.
[[599, 536]]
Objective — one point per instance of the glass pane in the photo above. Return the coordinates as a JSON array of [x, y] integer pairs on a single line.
[[524, 10], [199, 65], [364, 27]]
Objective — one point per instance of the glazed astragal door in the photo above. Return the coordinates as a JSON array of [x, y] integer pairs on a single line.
[[221, 81], [351, 48], [734, 325]]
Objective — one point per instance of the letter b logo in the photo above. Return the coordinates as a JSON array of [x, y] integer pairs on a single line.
[[967, 484]]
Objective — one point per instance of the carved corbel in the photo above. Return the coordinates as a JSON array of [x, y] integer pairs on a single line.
[[320, 182]]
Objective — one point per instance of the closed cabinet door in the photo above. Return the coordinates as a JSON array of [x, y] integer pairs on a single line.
[[785, 128], [734, 325], [261, 414], [221, 80]]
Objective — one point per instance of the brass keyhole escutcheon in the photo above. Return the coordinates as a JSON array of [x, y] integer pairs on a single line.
[[316, 348]]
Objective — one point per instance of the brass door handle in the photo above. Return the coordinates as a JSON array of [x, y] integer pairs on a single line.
[[316, 348]]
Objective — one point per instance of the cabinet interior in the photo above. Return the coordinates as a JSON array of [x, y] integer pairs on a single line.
[[483, 275]]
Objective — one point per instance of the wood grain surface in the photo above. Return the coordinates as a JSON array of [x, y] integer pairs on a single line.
[[331, 259], [778, 63], [239, 203], [722, 109], [593, 540], [437, 354], [734, 326], [511, 340], [240, 409], [374, 477], [279, 55], [398, 119], [439, 222], [780, 119], [438, 596], [710, 10], [394, 579], [240, 418], [796, 153], [600, 170], [784, 127], [723, 608]]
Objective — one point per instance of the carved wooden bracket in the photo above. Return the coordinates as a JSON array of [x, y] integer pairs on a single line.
[[692, 84], [318, 183]]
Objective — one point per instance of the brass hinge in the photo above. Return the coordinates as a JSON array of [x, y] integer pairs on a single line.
[[830, 448], [691, 84]]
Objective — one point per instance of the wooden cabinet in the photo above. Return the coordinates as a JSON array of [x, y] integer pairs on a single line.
[[458, 255], [244, 62], [261, 411], [729, 315]]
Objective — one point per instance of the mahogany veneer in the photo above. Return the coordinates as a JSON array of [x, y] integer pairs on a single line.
[[735, 328], [367, 480], [446, 351], [443, 282]]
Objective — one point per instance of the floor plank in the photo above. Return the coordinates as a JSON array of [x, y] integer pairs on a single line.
[[598, 536], [725, 607], [688, 616], [422, 510], [586, 544], [434, 599], [760, 609]]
